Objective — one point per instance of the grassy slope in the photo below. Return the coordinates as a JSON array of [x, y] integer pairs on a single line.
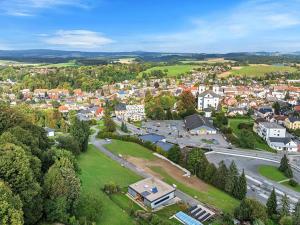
[[97, 170], [260, 144], [172, 70], [271, 173], [297, 188], [260, 70], [212, 196], [129, 149]]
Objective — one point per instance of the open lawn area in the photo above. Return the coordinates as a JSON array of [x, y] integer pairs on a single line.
[[96, 170], [129, 149], [172, 70], [260, 70], [212, 196], [259, 143], [144, 158], [272, 173]]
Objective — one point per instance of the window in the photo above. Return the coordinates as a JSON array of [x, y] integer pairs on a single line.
[[163, 199]]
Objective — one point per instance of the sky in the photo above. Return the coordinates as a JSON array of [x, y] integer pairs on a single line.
[[196, 26]]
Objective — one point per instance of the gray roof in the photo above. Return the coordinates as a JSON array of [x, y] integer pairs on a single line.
[[195, 121], [152, 137], [294, 119], [272, 125], [210, 92], [164, 145], [284, 140]]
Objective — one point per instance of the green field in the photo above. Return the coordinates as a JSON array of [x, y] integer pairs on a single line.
[[260, 70], [71, 63], [172, 70], [97, 170], [212, 196], [286, 183], [129, 149], [271, 172], [259, 143]]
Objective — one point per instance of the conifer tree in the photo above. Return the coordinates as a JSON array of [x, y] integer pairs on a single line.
[[272, 204]]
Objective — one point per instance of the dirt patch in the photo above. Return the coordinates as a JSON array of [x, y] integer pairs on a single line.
[[173, 171]]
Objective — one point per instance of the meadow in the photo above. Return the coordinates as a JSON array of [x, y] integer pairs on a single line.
[[172, 71], [260, 70]]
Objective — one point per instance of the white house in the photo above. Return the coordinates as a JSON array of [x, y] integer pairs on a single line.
[[208, 99], [151, 192], [275, 136], [130, 112]]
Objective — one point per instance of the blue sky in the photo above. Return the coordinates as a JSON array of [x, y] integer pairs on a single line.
[[151, 25]]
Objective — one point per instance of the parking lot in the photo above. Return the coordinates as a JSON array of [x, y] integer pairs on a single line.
[[175, 132]]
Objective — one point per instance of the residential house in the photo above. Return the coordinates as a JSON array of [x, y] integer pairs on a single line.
[[151, 192], [198, 125], [292, 123], [158, 140], [236, 111], [130, 112]]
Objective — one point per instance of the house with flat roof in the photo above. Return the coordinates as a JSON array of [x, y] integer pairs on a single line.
[[152, 192], [158, 140]]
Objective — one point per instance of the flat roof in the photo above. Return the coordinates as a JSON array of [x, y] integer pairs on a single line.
[[152, 188], [272, 125]]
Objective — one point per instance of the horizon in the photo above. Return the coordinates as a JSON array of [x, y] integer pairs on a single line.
[[210, 27]]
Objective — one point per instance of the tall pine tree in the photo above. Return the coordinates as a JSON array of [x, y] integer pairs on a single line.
[[272, 204], [285, 206], [232, 175]]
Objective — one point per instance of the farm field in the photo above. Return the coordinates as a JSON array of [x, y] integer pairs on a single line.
[[259, 143], [97, 170], [172, 70], [143, 158], [257, 70]]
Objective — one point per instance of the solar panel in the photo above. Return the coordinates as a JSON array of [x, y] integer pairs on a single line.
[[195, 212], [192, 208], [200, 214], [186, 219], [205, 217]]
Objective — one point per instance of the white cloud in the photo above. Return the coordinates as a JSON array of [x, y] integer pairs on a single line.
[[30, 7], [77, 39]]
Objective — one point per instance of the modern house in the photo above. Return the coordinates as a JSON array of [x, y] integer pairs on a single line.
[[292, 123], [208, 99], [152, 192], [197, 124]]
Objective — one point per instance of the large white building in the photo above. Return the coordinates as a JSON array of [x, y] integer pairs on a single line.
[[208, 99], [130, 112], [275, 136]]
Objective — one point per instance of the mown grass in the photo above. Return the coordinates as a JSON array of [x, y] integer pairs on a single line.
[[286, 183], [172, 70], [96, 171], [212, 196], [261, 70], [271, 172], [129, 149]]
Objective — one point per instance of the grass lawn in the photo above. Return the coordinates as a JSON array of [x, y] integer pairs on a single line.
[[100, 124], [261, 70], [96, 170], [212, 196], [172, 70], [129, 149], [271, 172], [259, 143], [286, 183]]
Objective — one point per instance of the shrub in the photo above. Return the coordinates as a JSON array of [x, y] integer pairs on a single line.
[[111, 188], [293, 183]]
